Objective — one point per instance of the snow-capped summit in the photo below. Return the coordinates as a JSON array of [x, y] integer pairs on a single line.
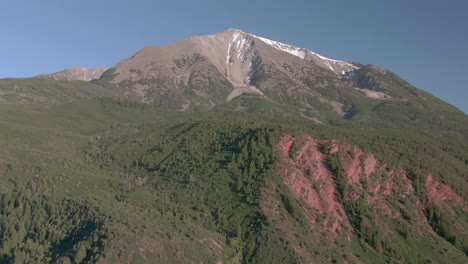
[[233, 61], [299, 52], [337, 66]]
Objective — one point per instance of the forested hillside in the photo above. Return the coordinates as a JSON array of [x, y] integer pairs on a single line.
[[103, 180]]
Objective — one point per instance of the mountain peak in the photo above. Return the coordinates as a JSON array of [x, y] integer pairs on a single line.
[[75, 74], [237, 60], [235, 30]]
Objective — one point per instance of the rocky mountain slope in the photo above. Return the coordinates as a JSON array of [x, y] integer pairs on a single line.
[[228, 64], [240, 71], [75, 74]]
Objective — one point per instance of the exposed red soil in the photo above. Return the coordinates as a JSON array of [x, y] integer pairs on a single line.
[[365, 174], [440, 193], [353, 169], [305, 171], [386, 191], [370, 164], [306, 174], [309, 179]]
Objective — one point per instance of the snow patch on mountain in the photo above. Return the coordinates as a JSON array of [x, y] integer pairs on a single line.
[[228, 56], [243, 44], [240, 43], [337, 66], [299, 52], [239, 58]]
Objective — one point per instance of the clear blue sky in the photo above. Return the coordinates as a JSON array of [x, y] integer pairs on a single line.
[[424, 41]]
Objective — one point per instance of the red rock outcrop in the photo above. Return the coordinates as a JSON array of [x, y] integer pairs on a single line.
[[440, 193], [306, 174]]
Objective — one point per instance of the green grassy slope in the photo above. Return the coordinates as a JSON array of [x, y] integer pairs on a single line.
[[34, 90]]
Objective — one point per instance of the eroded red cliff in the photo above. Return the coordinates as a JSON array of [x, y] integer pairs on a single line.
[[304, 169]]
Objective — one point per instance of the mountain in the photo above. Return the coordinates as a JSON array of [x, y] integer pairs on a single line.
[[75, 74], [231, 148], [240, 71], [215, 69]]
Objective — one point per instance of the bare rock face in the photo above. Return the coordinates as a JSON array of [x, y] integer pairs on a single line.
[[227, 65], [235, 53], [75, 74]]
